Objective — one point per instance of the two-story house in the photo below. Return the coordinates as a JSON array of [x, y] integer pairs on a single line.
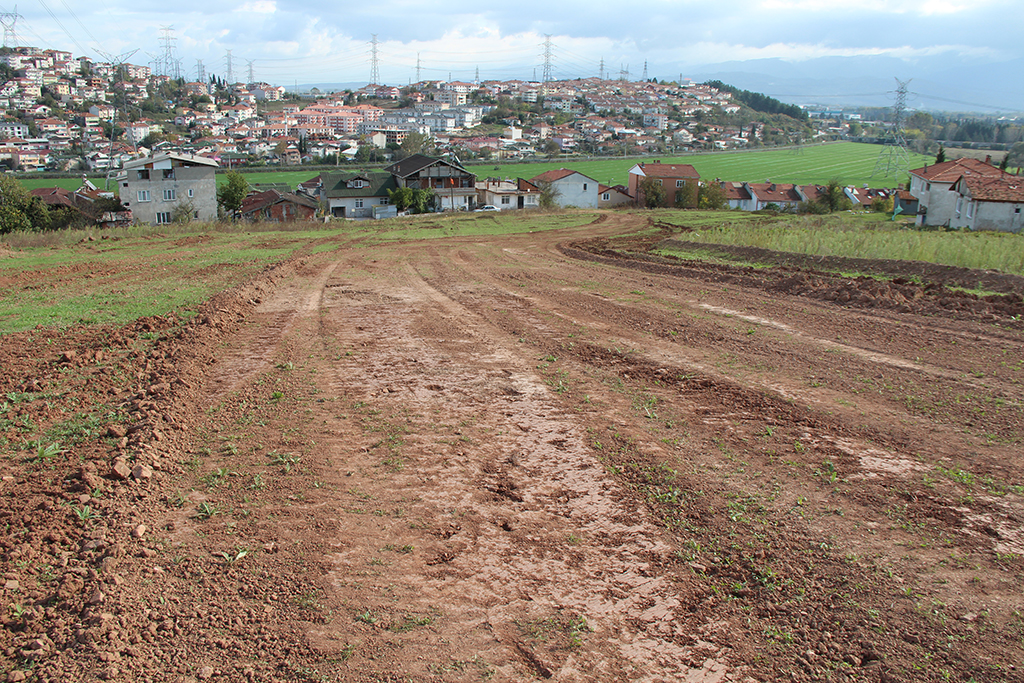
[[673, 178], [454, 186], [571, 188], [355, 195], [157, 186], [931, 187]]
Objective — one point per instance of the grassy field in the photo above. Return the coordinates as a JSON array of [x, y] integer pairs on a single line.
[[852, 163], [868, 236], [62, 279]]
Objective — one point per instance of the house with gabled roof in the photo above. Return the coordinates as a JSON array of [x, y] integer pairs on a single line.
[[988, 202], [508, 194], [672, 177], [355, 194], [931, 186], [783, 195], [275, 206], [571, 188], [454, 186], [610, 196]]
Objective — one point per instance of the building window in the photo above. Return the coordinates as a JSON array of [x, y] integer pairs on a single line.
[[584, 187], [679, 183], [163, 217], [506, 200], [959, 205], [170, 195], [168, 174], [606, 196], [191, 193], [970, 209], [359, 203], [384, 201], [143, 195], [144, 175]]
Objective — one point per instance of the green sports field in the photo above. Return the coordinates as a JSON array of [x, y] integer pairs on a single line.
[[852, 163]]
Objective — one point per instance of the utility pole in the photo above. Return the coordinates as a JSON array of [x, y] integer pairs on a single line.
[[10, 21], [172, 64], [894, 158], [547, 58], [374, 64], [118, 63]]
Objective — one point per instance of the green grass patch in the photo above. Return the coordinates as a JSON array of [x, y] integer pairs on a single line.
[[866, 237]]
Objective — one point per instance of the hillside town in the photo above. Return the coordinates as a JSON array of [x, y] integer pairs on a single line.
[[160, 143]]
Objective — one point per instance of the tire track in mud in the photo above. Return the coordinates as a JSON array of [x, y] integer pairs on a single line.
[[522, 489]]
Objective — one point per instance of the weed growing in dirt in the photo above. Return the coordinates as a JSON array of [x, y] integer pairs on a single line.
[[286, 460], [367, 617], [205, 511]]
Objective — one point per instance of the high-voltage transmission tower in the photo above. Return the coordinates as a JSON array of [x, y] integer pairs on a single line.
[[171, 63], [117, 62], [894, 159], [10, 21], [547, 78], [418, 68], [231, 74], [252, 77], [374, 62], [645, 71], [601, 69], [624, 73], [200, 72]]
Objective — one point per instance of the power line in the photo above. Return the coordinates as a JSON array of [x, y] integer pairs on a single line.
[[10, 21], [894, 158]]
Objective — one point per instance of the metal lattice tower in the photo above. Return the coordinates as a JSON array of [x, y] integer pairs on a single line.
[[200, 71], [624, 73], [601, 69], [10, 22], [419, 79], [172, 65], [645, 70], [231, 74], [547, 58], [894, 159], [477, 80], [117, 62], [249, 63], [374, 62]]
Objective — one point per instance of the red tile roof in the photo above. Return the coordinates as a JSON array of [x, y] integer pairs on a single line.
[[950, 171], [660, 170], [1004, 188], [552, 176]]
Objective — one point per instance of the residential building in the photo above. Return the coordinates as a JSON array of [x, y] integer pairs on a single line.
[[277, 207], [931, 186], [612, 196], [785, 196], [454, 186], [673, 178], [355, 195], [508, 194], [155, 187], [988, 202], [571, 188]]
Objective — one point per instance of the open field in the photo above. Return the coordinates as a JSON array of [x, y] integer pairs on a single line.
[[496, 450], [853, 163]]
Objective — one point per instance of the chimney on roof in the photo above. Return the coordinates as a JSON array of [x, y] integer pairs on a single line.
[[988, 159]]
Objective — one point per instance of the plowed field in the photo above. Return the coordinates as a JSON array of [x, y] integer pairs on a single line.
[[539, 456]]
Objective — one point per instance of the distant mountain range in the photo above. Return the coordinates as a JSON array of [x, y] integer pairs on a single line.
[[941, 83]]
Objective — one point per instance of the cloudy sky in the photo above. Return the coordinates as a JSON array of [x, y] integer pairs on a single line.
[[288, 41]]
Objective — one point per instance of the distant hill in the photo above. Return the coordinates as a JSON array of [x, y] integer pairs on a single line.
[[942, 83]]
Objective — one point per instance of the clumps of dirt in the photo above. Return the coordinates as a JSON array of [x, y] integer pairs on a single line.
[[95, 425], [904, 287]]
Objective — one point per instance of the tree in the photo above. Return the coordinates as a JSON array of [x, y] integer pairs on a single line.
[[1015, 157], [711, 196], [835, 199], [415, 143], [687, 195], [19, 210], [941, 156], [401, 197], [651, 193], [548, 194], [551, 148], [231, 194], [184, 211]]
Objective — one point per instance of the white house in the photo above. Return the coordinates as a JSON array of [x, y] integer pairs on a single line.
[[571, 188], [931, 186], [988, 203]]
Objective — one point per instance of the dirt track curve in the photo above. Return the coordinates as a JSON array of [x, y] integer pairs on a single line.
[[493, 459]]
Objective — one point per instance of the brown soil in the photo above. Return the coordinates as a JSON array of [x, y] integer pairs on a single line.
[[538, 456]]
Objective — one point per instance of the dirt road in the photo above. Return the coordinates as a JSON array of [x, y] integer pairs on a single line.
[[532, 457]]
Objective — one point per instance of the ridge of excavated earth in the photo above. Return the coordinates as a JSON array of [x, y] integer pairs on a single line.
[[538, 456]]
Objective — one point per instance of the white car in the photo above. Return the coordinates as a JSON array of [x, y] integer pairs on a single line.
[[487, 207]]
